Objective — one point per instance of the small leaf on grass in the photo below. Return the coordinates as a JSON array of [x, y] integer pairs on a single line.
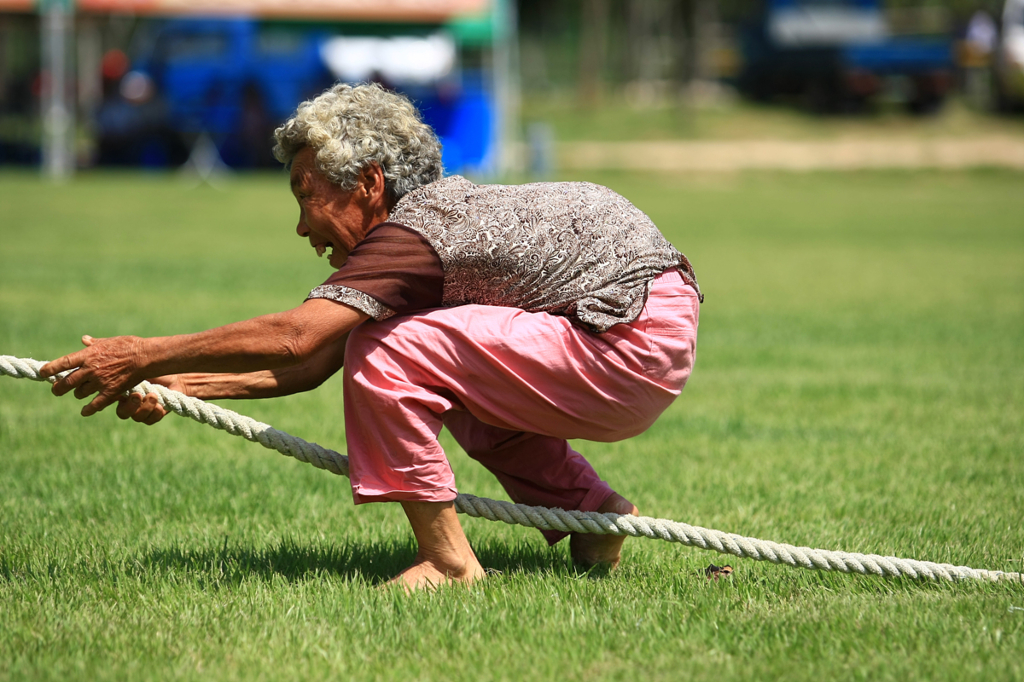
[[713, 572]]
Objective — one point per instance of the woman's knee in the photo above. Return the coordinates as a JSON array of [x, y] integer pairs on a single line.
[[363, 358], [361, 340], [367, 350]]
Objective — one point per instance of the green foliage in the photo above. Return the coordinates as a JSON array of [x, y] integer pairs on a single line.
[[858, 386], [618, 121], [961, 8]]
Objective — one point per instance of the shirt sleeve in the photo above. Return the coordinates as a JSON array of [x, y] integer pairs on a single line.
[[393, 270]]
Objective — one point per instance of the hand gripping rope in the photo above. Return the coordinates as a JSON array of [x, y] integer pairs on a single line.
[[554, 519]]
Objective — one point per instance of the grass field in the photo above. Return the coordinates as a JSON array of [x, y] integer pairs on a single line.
[[859, 386]]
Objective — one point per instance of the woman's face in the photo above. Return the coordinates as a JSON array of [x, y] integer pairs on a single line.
[[334, 220]]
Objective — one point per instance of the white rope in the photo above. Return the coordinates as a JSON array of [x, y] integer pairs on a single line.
[[555, 519]]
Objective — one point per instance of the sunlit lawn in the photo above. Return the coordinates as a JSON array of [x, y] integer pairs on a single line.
[[859, 386]]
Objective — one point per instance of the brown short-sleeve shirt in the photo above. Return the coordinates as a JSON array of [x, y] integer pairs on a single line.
[[393, 270]]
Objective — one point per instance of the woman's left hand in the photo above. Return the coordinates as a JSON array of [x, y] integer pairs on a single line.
[[147, 409], [108, 367]]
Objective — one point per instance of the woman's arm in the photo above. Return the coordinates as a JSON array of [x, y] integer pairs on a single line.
[[271, 342], [270, 383]]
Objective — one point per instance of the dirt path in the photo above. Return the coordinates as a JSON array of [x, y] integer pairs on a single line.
[[675, 155]]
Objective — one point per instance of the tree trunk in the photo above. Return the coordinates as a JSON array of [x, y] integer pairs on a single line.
[[593, 44]]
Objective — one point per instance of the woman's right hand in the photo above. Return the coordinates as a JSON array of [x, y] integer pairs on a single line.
[[147, 409]]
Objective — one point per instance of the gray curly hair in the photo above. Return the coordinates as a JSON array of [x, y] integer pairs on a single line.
[[350, 127]]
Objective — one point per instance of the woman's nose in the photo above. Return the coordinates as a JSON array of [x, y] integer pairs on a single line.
[[301, 228]]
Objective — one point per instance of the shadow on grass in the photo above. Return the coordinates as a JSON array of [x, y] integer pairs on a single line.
[[371, 562], [293, 561]]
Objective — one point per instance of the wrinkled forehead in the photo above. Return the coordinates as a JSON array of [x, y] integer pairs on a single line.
[[303, 168]]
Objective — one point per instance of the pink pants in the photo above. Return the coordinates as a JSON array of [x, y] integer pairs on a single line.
[[512, 387]]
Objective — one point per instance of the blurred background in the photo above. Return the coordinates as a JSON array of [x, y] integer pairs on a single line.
[[522, 87]]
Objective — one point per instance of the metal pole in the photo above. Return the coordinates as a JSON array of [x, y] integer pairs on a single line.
[[505, 79], [58, 114]]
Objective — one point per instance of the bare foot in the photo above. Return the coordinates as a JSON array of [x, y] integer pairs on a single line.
[[425, 574], [588, 550], [444, 556]]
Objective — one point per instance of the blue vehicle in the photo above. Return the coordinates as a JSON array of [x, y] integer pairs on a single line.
[[234, 80], [837, 55]]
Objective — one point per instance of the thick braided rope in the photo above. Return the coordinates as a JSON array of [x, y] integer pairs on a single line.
[[556, 519], [213, 415]]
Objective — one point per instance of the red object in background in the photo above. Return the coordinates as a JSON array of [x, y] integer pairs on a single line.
[[42, 80], [114, 64], [934, 83], [862, 83]]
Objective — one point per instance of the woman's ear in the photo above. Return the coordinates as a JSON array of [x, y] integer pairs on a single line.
[[371, 181]]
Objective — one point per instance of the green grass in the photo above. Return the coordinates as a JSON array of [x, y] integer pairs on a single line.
[[859, 386]]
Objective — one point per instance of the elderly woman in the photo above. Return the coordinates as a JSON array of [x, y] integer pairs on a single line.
[[516, 316]]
